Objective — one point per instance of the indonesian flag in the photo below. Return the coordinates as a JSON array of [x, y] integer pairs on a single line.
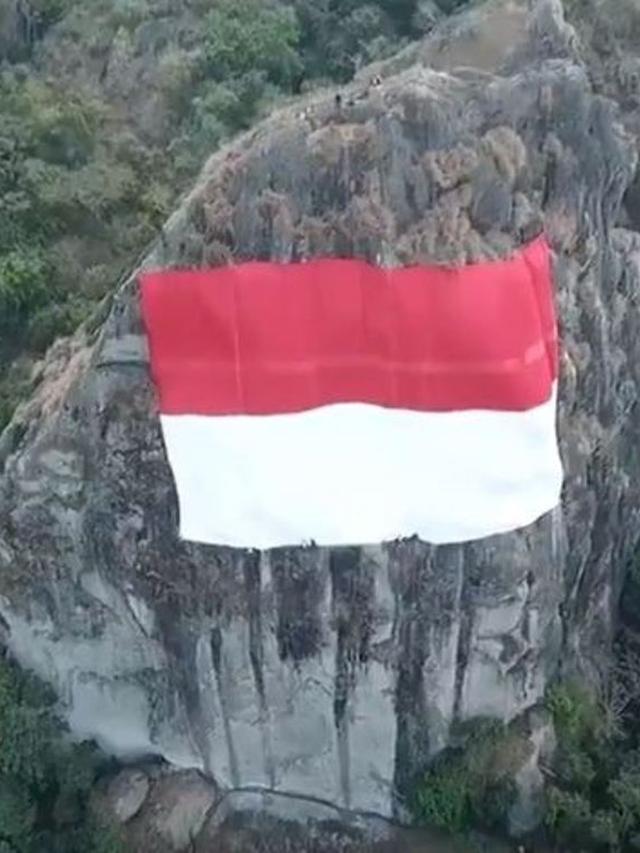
[[343, 403]]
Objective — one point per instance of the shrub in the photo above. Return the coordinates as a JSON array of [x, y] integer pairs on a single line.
[[594, 802], [624, 791], [56, 127], [473, 783], [23, 285], [575, 710], [443, 797], [567, 815], [15, 383], [244, 36]]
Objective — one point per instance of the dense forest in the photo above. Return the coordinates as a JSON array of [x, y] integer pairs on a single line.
[[109, 110]]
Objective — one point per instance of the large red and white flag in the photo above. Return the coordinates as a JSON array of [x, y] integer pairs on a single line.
[[344, 403]]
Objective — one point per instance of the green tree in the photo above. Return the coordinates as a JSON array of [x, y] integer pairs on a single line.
[[339, 36], [471, 784], [252, 36], [44, 779], [594, 800], [23, 284]]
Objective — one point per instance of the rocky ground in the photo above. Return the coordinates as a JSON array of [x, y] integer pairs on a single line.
[[162, 812]]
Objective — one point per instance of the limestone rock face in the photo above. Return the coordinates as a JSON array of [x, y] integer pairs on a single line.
[[337, 674]]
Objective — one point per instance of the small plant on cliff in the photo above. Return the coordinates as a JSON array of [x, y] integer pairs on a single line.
[[471, 784]]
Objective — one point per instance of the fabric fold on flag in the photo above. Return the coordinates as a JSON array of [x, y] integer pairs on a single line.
[[345, 403]]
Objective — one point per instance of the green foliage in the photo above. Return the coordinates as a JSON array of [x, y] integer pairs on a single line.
[[624, 792], [51, 125], [14, 386], [61, 177], [51, 321], [17, 814], [243, 36], [471, 784], [443, 797], [44, 779], [23, 284], [229, 104], [568, 815], [248, 57], [577, 715], [337, 38], [594, 801]]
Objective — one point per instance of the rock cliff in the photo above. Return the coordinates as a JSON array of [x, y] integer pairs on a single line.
[[337, 674]]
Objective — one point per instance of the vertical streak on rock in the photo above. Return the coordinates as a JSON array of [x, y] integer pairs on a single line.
[[340, 567], [251, 571], [340, 719], [298, 588], [464, 642], [252, 581], [409, 563], [216, 656], [352, 608]]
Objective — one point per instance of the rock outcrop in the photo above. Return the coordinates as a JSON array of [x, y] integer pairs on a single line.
[[182, 811], [338, 674]]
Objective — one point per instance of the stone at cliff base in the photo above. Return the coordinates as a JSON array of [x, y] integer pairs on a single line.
[[125, 794], [268, 823], [172, 814]]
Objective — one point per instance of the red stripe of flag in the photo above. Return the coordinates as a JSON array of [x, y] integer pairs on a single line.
[[266, 338]]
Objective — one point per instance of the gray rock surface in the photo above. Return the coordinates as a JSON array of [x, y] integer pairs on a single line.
[[337, 674], [250, 822], [156, 809], [527, 812], [184, 813], [174, 813], [126, 794]]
